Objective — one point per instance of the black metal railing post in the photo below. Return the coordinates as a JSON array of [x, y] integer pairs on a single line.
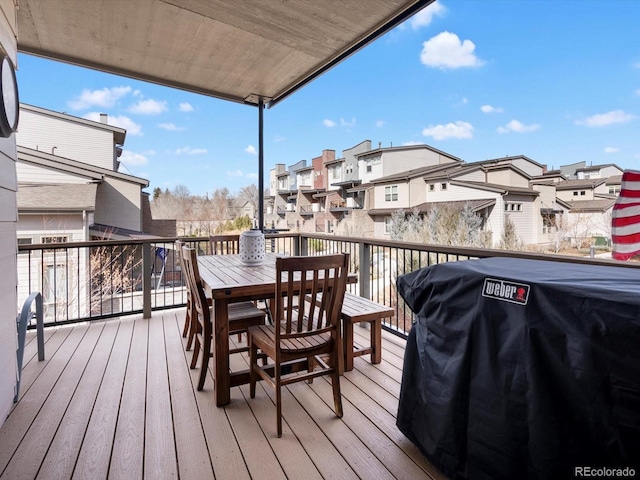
[[146, 280]]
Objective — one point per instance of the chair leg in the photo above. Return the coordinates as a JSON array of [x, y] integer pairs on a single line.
[[311, 365], [193, 326], [194, 355], [187, 322], [278, 400], [206, 355], [253, 360], [335, 383]]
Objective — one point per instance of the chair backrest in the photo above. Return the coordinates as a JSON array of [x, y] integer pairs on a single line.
[[309, 293], [224, 244], [198, 297]]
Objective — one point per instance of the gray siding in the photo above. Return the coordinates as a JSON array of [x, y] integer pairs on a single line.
[[8, 244], [66, 138]]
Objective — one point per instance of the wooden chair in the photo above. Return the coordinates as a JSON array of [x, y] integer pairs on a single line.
[[188, 328], [224, 244], [241, 316], [302, 330]]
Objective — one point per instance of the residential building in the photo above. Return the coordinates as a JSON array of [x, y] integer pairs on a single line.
[[70, 190]]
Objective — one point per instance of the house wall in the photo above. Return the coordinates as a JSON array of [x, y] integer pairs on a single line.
[[36, 226], [525, 221], [8, 245], [528, 167], [37, 174], [118, 204], [84, 143], [507, 177]]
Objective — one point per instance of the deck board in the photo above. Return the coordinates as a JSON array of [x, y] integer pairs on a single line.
[[116, 399]]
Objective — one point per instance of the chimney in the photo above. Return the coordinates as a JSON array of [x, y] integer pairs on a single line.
[[103, 118]]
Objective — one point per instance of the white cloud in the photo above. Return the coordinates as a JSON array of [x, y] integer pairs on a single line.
[[450, 130], [518, 127], [279, 138], [190, 151], [252, 175], [603, 119], [348, 124], [149, 152], [121, 121], [171, 127], [425, 16], [105, 98], [491, 109], [446, 51], [611, 150], [380, 123], [235, 173], [328, 123], [185, 107], [251, 150], [412, 142], [133, 159], [148, 107]]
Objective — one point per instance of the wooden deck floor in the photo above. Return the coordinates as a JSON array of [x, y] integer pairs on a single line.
[[116, 399]]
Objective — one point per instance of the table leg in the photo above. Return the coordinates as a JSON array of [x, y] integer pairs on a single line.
[[221, 352]]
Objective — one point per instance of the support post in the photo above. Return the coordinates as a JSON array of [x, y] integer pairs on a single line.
[[261, 164]]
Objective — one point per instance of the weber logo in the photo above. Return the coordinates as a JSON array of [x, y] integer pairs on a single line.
[[506, 291]]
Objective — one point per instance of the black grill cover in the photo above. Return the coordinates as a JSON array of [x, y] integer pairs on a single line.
[[522, 368]]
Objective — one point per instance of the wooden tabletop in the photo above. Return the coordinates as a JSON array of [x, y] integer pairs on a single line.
[[225, 276]]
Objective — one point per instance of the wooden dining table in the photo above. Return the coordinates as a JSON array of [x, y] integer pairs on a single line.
[[226, 280]]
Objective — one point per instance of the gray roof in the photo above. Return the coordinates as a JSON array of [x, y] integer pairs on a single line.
[[58, 198], [494, 187], [227, 49], [74, 167], [591, 205], [420, 172], [585, 183], [476, 205]]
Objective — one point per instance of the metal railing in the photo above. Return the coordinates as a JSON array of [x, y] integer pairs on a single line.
[[94, 280]]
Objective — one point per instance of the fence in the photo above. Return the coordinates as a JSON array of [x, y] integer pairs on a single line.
[[95, 280]]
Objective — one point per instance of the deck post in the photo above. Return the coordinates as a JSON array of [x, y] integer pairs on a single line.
[[364, 270], [146, 280]]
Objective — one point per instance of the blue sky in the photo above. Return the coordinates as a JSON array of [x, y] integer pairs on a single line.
[[555, 80]]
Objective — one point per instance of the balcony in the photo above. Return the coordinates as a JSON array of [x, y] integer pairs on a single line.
[[116, 398], [115, 395]]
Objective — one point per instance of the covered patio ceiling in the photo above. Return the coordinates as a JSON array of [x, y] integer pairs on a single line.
[[238, 50]]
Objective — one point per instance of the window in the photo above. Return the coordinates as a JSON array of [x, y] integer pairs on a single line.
[[387, 225], [368, 168], [615, 189], [443, 186], [60, 239], [54, 291], [575, 194], [512, 207], [582, 193], [432, 187], [391, 193], [25, 241]]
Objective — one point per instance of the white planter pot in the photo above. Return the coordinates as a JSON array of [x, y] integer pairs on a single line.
[[252, 247]]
